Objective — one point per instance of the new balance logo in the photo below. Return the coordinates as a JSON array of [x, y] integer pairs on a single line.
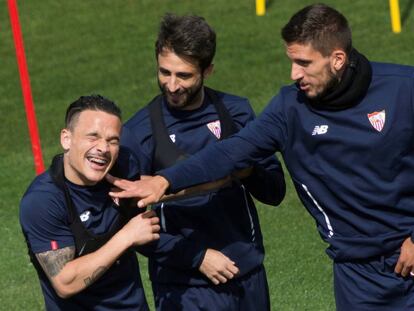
[[320, 130]]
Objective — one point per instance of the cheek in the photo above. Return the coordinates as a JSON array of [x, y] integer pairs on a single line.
[[194, 84], [162, 80], [327, 76], [318, 77], [114, 152], [83, 147]]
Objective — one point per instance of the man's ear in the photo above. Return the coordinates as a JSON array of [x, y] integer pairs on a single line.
[[65, 139], [338, 60], [208, 71]]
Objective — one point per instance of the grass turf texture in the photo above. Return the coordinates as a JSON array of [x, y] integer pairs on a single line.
[[78, 47]]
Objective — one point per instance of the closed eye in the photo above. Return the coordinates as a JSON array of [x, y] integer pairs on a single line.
[[114, 142], [184, 75], [92, 136], [303, 63]]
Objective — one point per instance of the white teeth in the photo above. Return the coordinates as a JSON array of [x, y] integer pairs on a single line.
[[98, 161]]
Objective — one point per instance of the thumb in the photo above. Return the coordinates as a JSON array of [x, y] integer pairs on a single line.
[[144, 202]]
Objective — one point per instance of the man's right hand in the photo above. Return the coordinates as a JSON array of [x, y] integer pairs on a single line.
[[70, 275], [218, 267], [148, 189], [143, 228]]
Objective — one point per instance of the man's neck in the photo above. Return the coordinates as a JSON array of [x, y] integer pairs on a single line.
[[73, 177]]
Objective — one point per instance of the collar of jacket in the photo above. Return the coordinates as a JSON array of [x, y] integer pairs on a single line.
[[352, 88]]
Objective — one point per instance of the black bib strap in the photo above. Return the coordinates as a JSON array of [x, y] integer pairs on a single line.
[[85, 241], [166, 153]]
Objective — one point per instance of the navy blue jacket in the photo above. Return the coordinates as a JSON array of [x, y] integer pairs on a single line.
[[225, 220], [353, 169], [45, 224]]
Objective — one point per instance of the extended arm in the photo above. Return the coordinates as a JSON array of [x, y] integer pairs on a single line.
[[196, 190], [259, 139], [156, 193], [69, 276]]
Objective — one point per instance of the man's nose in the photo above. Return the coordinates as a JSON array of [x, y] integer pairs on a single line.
[[103, 146], [296, 72], [173, 84]]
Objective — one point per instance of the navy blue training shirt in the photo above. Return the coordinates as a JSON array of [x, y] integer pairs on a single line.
[[353, 169], [44, 221], [224, 220]]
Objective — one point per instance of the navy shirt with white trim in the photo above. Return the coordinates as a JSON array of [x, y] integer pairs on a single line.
[[44, 221], [224, 220], [353, 169]]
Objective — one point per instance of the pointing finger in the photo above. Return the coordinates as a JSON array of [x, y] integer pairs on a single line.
[[121, 194]]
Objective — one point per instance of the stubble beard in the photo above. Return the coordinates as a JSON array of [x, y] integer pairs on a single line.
[[330, 85], [191, 95]]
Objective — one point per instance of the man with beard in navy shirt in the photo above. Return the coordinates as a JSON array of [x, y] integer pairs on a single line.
[[80, 241], [210, 253], [345, 130]]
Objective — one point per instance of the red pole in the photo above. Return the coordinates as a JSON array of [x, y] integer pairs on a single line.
[[25, 84]]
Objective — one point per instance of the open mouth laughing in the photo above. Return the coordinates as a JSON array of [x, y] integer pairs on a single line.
[[98, 162]]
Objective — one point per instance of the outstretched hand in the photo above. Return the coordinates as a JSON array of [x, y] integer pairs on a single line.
[[148, 189]]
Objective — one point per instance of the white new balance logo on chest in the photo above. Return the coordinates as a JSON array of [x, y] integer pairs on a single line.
[[320, 130]]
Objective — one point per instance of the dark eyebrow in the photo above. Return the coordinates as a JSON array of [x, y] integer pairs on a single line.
[[94, 134], [183, 74]]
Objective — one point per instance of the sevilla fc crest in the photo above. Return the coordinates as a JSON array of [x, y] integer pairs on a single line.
[[215, 128], [377, 119]]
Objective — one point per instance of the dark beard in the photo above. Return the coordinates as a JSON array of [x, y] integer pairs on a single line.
[[192, 94], [330, 86], [353, 86]]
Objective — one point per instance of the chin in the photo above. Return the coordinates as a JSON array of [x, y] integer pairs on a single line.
[[313, 94], [92, 178], [176, 104]]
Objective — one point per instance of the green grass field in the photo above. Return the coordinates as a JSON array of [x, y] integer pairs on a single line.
[[80, 47]]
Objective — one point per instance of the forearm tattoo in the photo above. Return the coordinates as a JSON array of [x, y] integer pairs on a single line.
[[53, 261], [96, 275]]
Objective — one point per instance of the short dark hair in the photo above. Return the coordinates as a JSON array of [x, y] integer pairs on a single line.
[[321, 26], [187, 36], [92, 102]]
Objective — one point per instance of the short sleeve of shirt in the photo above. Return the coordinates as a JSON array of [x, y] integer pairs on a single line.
[[43, 218]]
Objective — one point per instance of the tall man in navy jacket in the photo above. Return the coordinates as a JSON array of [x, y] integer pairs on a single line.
[[345, 129], [210, 252]]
